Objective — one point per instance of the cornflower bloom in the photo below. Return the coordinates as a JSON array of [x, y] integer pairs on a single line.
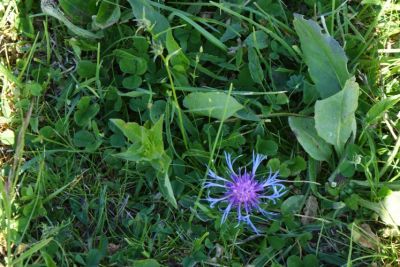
[[243, 192]]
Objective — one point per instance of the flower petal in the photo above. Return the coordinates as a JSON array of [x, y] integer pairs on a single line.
[[229, 162], [257, 159], [226, 213], [215, 176]]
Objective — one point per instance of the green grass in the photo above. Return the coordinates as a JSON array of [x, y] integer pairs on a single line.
[[81, 188]]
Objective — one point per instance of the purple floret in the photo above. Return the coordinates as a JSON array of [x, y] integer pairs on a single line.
[[243, 192]]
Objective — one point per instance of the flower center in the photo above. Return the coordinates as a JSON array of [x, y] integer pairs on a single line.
[[244, 190]]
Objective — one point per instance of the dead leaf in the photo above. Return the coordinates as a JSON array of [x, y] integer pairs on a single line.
[[310, 210], [365, 237]]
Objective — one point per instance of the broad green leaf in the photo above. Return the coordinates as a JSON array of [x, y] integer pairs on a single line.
[[146, 263], [334, 116], [86, 69], [378, 110], [257, 39], [256, 71], [325, 58], [143, 11], [157, 110], [86, 111], [131, 64], [266, 147], [132, 82], [179, 58], [147, 146], [311, 260], [294, 261], [34, 88], [108, 14], [84, 138], [212, 104], [292, 204], [131, 130], [307, 136]]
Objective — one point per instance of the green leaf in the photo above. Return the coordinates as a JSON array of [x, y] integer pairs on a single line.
[[147, 146], [185, 16], [132, 64], [48, 259], [132, 82], [84, 138], [131, 130], [325, 58], [79, 11], [292, 204], [34, 88], [378, 110], [51, 9], [166, 188], [256, 71], [310, 260], [86, 69], [142, 10], [257, 39], [294, 261], [266, 147], [179, 58], [86, 111], [334, 116], [217, 105], [307, 136], [108, 14], [157, 110], [93, 258], [146, 263]]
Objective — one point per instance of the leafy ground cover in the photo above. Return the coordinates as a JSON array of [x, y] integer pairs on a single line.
[[114, 112]]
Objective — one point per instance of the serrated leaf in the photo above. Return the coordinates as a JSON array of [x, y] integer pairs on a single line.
[[217, 105], [335, 116], [307, 136], [325, 58], [147, 146]]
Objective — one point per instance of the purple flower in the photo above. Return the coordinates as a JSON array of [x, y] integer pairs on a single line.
[[243, 192]]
